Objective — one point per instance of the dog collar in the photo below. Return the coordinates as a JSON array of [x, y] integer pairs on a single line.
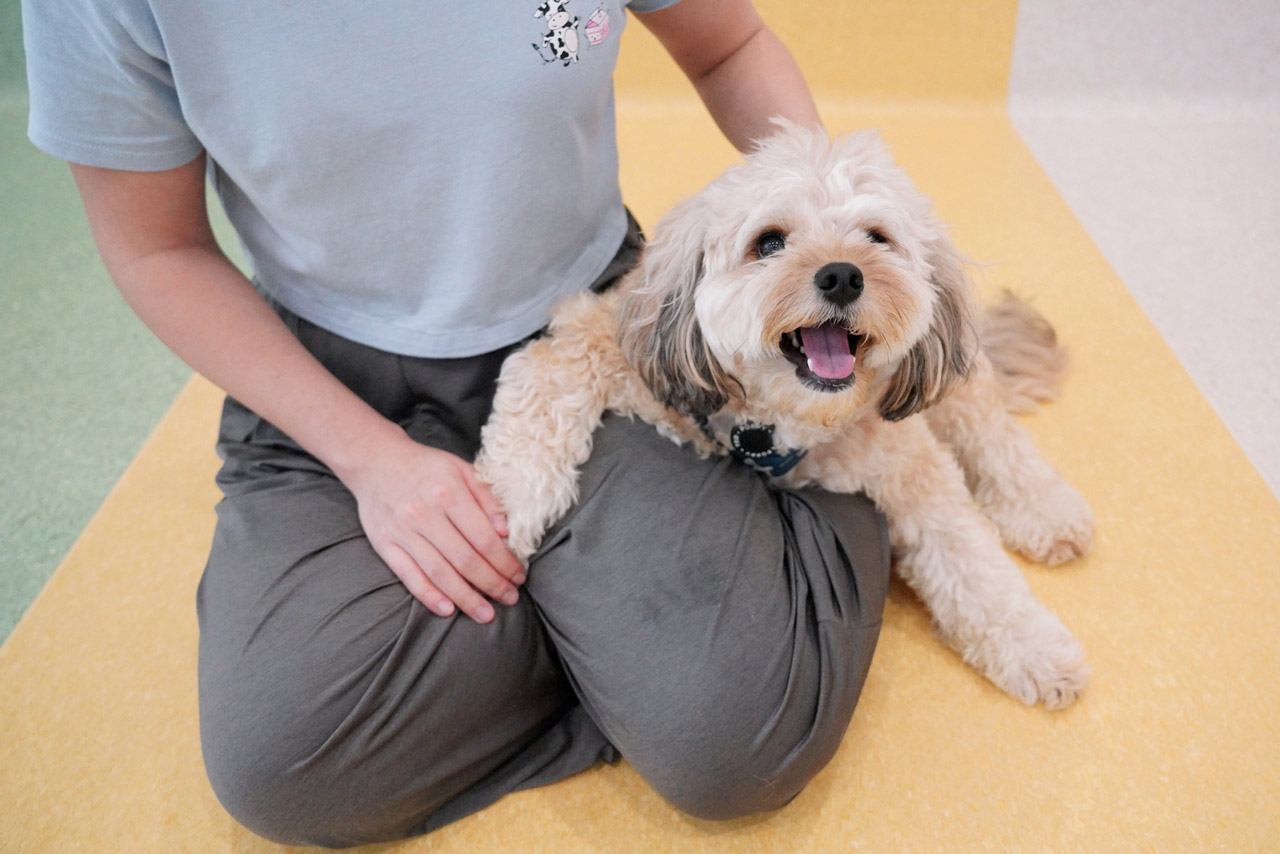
[[756, 445]]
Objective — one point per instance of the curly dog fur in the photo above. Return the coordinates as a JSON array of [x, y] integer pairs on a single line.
[[811, 288]]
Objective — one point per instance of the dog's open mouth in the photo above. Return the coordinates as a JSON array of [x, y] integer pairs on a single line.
[[824, 356]]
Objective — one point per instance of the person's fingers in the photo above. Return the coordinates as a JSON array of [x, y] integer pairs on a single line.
[[457, 549], [439, 529], [474, 524], [488, 502], [416, 582], [440, 572]]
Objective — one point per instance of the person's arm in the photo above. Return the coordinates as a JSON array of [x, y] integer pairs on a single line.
[[426, 514], [744, 74]]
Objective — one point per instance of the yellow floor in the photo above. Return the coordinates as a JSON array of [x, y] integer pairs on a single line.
[[1174, 747]]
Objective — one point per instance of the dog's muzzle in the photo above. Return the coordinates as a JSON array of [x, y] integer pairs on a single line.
[[840, 283], [824, 355]]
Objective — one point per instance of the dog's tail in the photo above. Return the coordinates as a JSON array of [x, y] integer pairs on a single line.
[[1023, 348]]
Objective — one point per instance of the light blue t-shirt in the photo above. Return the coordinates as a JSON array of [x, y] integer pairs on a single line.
[[423, 177]]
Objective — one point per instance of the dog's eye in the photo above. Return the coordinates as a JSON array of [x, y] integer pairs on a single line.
[[876, 236], [770, 242]]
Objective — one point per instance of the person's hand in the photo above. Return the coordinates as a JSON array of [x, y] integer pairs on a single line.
[[437, 527], [425, 513]]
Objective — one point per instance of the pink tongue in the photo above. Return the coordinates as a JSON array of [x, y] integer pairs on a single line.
[[827, 348]]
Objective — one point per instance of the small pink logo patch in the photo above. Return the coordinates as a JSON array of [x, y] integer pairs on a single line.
[[597, 26]]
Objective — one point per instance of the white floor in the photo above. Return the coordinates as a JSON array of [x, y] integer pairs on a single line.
[[1160, 126]]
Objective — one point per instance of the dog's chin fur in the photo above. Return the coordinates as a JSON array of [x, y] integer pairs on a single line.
[[696, 330]]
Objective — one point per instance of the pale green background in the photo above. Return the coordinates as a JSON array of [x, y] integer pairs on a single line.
[[82, 382]]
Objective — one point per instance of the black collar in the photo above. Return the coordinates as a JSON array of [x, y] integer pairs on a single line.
[[756, 445]]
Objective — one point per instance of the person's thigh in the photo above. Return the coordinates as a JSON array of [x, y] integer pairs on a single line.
[[334, 708], [718, 631]]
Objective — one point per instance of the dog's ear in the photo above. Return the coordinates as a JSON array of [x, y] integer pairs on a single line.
[[657, 327], [944, 356]]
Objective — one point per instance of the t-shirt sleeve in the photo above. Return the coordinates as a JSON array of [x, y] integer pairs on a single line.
[[649, 5], [101, 89]]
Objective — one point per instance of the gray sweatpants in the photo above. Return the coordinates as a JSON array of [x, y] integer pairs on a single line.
[[711, 630]]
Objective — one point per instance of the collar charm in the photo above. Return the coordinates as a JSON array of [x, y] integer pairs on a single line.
[[756, 445]]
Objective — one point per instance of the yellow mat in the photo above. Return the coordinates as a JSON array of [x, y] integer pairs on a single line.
[[1174, 747]]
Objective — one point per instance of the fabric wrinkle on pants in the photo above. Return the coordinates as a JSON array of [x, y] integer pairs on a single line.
[[714, 630], [756, 624]]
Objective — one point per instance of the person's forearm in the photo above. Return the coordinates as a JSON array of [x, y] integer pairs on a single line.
[[757, 82], [204, 309], [742, 71], [437, 527]]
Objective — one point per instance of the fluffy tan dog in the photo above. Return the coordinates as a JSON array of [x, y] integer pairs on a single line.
[[799, 313]]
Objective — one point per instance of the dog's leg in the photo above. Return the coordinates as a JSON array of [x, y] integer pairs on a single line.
[[1036, 511], [950, 554], [550, 399]]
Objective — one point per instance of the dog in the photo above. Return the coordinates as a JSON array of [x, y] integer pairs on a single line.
[[808, 313]]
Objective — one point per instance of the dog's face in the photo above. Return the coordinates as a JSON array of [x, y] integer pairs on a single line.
[[810, 279]]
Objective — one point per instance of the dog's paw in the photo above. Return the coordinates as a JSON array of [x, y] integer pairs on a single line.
[[524, 535], [1051, 524], [1034, 659], [528, 510]]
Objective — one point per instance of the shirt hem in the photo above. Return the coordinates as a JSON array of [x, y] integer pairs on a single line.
[[397, 338], [106, 156]]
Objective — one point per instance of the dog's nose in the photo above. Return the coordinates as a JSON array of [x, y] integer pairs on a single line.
[[839, 283]]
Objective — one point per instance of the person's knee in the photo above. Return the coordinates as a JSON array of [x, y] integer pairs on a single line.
[[733, 757], [280, 763], [299, 751], [273, 755], [273, 794], [251, 792], [728, 799], [728, 791]]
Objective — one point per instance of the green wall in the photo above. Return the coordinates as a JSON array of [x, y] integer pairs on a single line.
[[12, 71], [82, 382]]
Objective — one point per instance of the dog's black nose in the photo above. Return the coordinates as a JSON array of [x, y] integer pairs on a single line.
[[839, 283]]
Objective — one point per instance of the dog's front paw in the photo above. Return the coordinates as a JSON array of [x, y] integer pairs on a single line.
[[1034, 659], [524, 525], [1051, 524], [524, 535]]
